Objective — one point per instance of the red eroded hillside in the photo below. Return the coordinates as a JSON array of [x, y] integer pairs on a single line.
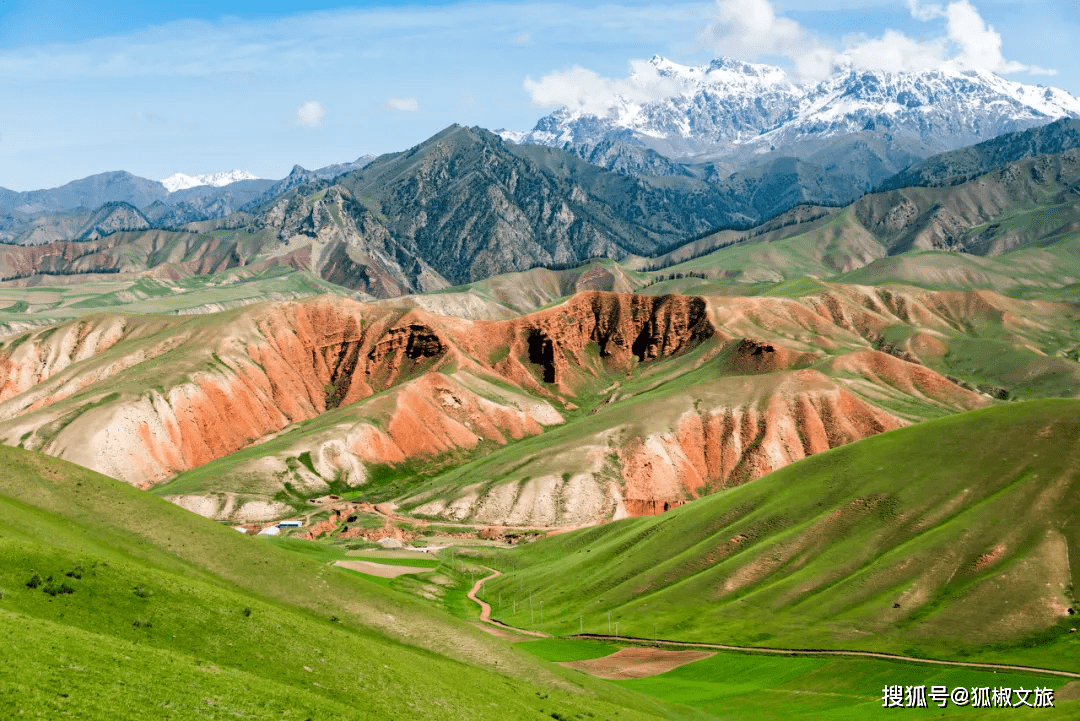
[[659, 399]]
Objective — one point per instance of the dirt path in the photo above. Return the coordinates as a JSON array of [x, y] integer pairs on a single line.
[[382, 570], [485, 608], [815, 652], [637, 662]]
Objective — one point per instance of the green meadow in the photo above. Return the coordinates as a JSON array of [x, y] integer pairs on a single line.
[[736, 686], [946, 539], [117, 605]]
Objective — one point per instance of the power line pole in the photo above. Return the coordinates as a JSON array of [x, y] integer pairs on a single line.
[[609, 623]]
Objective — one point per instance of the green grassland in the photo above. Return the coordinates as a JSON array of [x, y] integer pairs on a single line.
[[733, 685], [1019, 237], [950, 538], [118, 605], [741, 686], [53, 302]]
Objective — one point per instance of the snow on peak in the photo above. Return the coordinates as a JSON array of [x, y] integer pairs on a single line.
[[182, 181], [710, 110]]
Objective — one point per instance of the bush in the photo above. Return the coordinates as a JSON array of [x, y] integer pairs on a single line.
[[53, 588], [35, 580], [76, 573], [247, 612], [142, 592], [142, 623]]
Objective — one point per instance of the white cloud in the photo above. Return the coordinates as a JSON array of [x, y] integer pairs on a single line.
[[523, 39], [311, 114], [980, 44], [751, 29], [925, 12], [585, 91], [405, 105], [244, 47], [895, 52]]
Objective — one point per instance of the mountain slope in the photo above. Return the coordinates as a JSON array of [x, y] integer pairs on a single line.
[[165, 610], [474, 206], [954, 535], [959, 166], [1027, 209]]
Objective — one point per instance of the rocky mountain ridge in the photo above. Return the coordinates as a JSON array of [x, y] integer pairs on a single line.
[[68, 212], [733, 113]]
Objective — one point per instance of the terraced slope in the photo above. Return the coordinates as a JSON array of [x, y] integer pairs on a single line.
[[118, 605], [952, 538]]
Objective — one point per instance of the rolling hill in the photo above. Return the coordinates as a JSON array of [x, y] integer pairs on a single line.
[[951, 538], [116, 604], [599, 406]]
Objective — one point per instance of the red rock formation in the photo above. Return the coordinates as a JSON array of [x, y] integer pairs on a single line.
[[720, 447], [624, 327]]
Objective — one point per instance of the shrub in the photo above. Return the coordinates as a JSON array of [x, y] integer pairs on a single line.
[[35, 580], [142, 623], [247, 611], [142, 592], [76, 573], [53, 588]]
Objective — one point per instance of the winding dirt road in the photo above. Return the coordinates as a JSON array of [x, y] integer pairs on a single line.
[[485, 616], [485, 608]]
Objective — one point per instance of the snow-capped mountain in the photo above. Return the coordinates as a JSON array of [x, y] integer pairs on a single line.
[[735, 111], [182, 181]]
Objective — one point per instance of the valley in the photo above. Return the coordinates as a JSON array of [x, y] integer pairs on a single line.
[[737, 405]]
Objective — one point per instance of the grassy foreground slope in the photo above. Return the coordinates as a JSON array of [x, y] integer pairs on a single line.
[[118, 605], [951, 538]]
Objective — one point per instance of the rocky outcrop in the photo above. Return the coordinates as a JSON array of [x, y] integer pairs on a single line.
[[622, 328]]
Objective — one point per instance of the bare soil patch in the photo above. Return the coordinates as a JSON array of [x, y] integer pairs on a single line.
[[379, 569], [505, 633], [636, 662]]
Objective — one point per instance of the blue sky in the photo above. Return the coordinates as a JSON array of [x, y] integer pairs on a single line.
[[197, 87]]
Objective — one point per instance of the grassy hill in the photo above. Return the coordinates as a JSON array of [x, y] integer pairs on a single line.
[[54, 299], [1012, 229], [117, 605], [951, 538]]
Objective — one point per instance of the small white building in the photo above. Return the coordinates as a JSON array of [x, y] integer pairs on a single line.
[[290, 524], [270, 531]]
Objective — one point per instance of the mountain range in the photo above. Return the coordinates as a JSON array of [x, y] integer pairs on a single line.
[[732, 114], [182, 181], [70, 211]]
